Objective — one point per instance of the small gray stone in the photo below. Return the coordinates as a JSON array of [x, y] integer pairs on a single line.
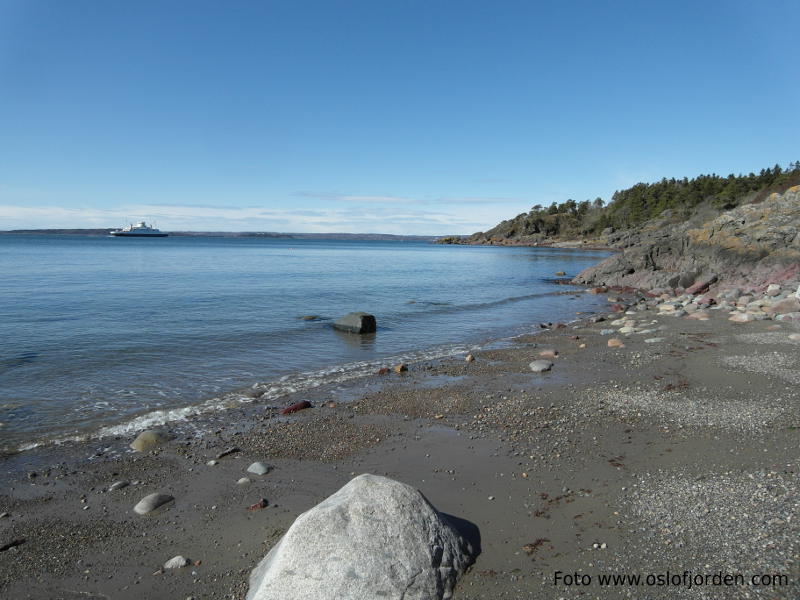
[[656, 340], [243, 481], [176, 562], [259, 468], [606, 331], [540, 366], [150, 503], [118, 485]]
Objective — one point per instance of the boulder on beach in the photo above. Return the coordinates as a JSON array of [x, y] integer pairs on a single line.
[[374, 538], [356, 322], [150, 439]]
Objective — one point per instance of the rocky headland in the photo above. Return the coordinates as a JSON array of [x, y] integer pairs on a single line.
[[746, 248]]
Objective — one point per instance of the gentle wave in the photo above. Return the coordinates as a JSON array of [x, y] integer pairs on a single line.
[[268, 391]]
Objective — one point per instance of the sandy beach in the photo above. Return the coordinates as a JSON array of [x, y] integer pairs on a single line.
[[674, 454]]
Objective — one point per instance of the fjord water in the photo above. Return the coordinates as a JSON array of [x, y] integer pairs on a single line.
[[96, 331]]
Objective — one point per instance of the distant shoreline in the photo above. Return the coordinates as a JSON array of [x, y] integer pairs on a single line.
[[237, 234]]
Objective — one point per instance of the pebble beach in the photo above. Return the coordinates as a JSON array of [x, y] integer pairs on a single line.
[[658, 439]]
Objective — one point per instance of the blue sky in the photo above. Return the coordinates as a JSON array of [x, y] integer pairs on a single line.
[[426, 117]]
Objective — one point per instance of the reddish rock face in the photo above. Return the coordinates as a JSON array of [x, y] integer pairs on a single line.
[[296, 407], [701, 285]]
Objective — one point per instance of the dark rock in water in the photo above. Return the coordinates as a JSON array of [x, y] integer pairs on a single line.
[[560, 273], [383, 371], [310, 317], [296, 407], [374, 538], [356, 322]]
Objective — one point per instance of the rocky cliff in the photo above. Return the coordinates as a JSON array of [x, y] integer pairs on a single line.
[[749, 247]]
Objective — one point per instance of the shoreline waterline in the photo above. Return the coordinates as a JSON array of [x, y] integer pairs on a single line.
[[268, 393], [125, 330]]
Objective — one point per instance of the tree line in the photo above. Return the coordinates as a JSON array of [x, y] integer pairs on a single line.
[[642, 202]]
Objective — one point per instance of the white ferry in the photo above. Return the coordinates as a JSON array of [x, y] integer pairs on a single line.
[[141, 229]]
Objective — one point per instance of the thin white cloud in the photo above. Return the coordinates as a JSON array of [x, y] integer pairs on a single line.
[[379, 200], [405, 200], [359, 198], [481, 200]]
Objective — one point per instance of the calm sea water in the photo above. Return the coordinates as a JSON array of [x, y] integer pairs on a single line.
[[101, 334]]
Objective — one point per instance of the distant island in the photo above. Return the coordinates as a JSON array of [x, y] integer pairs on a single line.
[[245, 234]]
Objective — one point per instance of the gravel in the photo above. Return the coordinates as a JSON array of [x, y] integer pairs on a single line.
[[698, 409], [735, 522], [784, 366]]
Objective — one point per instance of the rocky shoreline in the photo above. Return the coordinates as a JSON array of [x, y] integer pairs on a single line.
[[750, 246], [662, 437]]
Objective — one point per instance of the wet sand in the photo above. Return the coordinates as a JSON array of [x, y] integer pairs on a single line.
[[668, 456]]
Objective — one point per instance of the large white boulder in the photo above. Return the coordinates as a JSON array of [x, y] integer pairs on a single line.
[[374, 538]]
